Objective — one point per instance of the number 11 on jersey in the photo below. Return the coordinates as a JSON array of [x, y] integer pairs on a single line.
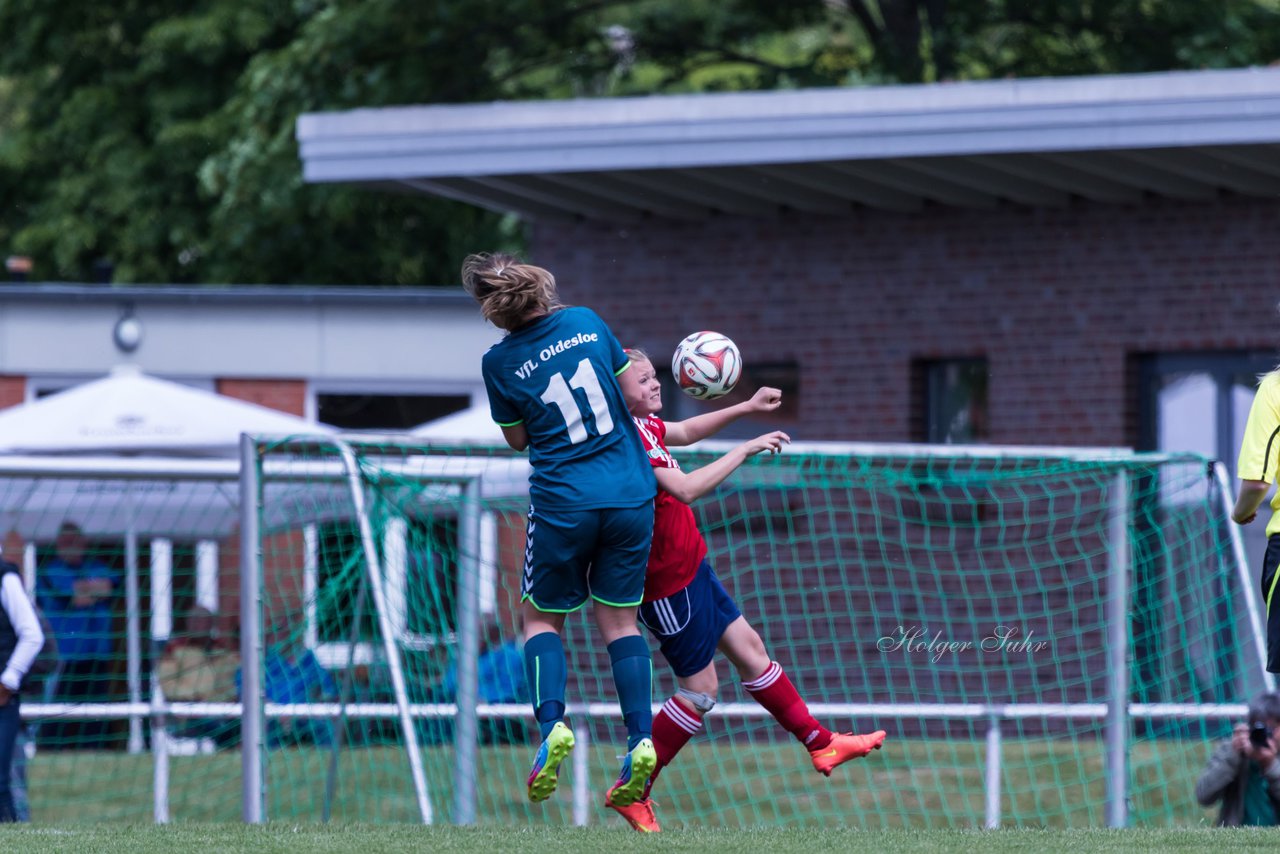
[[560, 395]]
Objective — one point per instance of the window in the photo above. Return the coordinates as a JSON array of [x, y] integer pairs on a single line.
[[40, 387], [950, 398], [386, 411], [1198, 402]]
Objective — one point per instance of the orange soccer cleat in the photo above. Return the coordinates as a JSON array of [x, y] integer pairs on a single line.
[[639, 814], [843, 747]]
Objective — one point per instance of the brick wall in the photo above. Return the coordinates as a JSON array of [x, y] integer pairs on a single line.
[[1055, 299], [282, 553], [13, 391], [285, 395]]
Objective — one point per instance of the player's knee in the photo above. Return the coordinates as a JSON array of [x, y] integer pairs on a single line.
[[749, 654], [705, 681]]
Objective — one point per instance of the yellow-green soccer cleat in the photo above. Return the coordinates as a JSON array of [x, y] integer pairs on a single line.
[[636, 768], [546, 765]]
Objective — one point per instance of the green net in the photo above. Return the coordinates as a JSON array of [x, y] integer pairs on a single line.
[[958, 602], [134, 571]]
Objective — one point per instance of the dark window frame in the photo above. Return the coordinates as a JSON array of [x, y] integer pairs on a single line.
[[929, 393]]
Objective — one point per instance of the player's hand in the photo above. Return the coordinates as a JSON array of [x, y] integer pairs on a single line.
[[1244, 520], [765, 399], [5, 695], [1240, 739], [771, 442]]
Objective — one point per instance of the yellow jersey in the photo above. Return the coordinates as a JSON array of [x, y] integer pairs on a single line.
[[1260, 449]]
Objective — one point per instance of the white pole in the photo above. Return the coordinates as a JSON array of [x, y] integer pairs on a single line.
[[399, 688], [310, 583], [488, 563], [581, 775], [160, 754], [207, 575], [1117, 725], [395, 563], [467, 656], [161, 589], [993, 772], [253, 785], [161, 628], [133, 634], [29, 569], [1252, 606]]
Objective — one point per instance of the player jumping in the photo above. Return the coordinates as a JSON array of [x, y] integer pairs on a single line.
[[552, 388], [686, 608]]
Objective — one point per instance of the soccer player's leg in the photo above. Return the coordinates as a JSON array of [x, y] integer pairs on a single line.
[[769, 686], [617, 586], [553, 584], [687, 632]]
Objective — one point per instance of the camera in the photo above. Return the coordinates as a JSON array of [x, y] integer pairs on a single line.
[[1259, 734]]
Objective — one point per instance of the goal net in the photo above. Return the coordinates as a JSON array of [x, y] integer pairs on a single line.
[[1049, 637]]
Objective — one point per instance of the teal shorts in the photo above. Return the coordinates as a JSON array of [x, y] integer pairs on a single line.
[[571, 556]]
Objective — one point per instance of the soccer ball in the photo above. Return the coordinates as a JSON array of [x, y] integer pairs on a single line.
[[707, 365]]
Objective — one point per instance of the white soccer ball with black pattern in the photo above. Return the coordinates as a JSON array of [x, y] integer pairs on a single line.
[[707, 365]]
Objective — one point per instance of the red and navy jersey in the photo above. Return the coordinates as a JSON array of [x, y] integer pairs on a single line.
[[678, 547]]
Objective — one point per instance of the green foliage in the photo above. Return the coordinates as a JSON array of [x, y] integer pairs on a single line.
[[163, 140]]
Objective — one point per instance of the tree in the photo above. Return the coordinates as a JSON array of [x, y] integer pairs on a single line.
[[163, 143]]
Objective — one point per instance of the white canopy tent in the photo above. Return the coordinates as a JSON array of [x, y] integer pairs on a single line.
[[129, 414], [473, 426]]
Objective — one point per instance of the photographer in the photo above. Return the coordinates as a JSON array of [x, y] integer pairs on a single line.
[[1243, 772]]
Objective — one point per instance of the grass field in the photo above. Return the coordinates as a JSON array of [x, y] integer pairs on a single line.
[[312, 839], [910, 784]]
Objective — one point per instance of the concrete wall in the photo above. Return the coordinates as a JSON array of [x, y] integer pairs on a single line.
[[382, 341]]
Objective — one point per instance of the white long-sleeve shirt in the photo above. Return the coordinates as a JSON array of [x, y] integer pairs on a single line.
[[22, 616]]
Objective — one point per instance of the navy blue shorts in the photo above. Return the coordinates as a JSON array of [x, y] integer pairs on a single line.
[[689, 623], [574, 555]]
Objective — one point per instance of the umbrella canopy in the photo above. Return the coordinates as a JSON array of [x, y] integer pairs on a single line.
[[130, 412]]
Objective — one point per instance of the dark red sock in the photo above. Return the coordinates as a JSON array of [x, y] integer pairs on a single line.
[[673, 726], [773, 690]]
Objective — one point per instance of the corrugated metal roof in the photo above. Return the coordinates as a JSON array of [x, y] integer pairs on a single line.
[[827, 151]]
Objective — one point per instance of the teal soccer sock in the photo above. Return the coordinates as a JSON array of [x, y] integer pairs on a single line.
[[547, 671], [633, 677]]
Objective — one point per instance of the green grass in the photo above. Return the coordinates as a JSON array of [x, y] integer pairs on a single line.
[[913, 784], [313, 839]]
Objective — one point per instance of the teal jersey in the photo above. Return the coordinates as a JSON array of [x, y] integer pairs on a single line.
[[558, 377]]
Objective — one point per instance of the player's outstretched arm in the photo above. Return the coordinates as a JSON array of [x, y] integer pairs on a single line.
[[690, 486], [699, 427]]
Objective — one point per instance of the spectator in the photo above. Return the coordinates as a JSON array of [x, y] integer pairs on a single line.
[[44, 665], [291, 673], [198, 666], [1243, 773], [501, 679], [20, 642], [77, 594]]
